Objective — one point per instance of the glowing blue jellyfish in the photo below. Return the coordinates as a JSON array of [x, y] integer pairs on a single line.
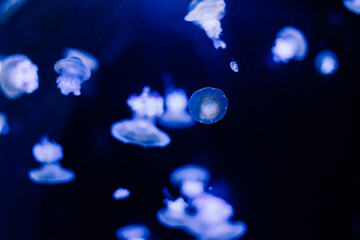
[[73, 72], [133, 232], [208, 105], [207, 14], [234, 66], [89, 60], [290, 43], [121, 193], [51, 172], [326, 62], [18, 76], [141, 129], [352, 5], [4, 127]]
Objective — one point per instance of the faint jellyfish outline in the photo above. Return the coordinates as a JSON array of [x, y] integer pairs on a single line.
[[72, 73], [18, 75], [121, 193], [290, 43], [133, 232], [49, 153], [88, 59], [4, 126], [326, 62], [352, 6], [234, 66], [208, 105], [207, 15]]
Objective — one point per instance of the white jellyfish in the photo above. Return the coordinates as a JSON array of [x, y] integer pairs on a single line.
[[121, 193], [290, 43], [141, 129], [208, 105], [4, 127], [207, 14], [234, 66], [133, 232], [49, 154], [73, 72], [18, 75], [326, 62], [88, 59], [353, 6]]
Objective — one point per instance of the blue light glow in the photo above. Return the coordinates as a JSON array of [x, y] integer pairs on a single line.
[[4, 127], [234, 66], [89, 60], [353, 5], [133, 232], [208, 105], [326, 62], [121, 193]]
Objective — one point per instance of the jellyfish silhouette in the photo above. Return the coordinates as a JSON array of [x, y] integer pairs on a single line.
[[207, 14], [326, 62], [121, 193], [49, 154], [133, 232], [290, 43], [4, 127], [88, 59], [352, 5], [141, 129], [208, 105], [18, 76], [234, 66], [73, 72]]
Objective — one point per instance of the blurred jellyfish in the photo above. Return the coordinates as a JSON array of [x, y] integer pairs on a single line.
[[141, 129], [89, 60], [121, 193], [4, 127], [208, 105], [49, 154], [18, 76], [234, 66], [133, 232], [326, 62], [352, 5], [290, 43], [207, 14], [73, 72]]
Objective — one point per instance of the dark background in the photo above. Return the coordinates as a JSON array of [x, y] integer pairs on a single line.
[[286, 155]]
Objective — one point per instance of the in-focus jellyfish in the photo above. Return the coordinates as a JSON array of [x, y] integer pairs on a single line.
[[73, 72], [89, 60], [133, 232], [18, 76], [4, 127], [352, 5], [121, 193], [208, 105], [326, 62], [49, 154], [234, 66], [141, 129], [290, 43], [207, 14]]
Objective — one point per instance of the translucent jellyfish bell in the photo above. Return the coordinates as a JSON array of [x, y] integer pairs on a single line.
[[290, 43], [18, 76], [326, 62], [46, 151], [4, 127], [207, 14], [133, 232], [208, 105], [73, 72], [89, 60], [141, 130], [121, 193], [353, 5], [234, 66]]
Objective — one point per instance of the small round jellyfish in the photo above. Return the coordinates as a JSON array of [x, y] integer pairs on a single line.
[[326, 62], [89, 60], [121, 193], [290, 43], [73, 72], [18, 76], [352, 5], [4, 127], [133, 232], [51, 172], [208, 105], [234, 66]]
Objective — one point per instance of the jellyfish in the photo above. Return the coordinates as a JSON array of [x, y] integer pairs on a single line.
[[234, 66], [141, 129], [133, 232], [290, 43], [121, 193], [18, 76], [4, 127], [207, 14], [208, 105], [89, 60], [353, 5], [326, 62], [73, 72], [49, 153]]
